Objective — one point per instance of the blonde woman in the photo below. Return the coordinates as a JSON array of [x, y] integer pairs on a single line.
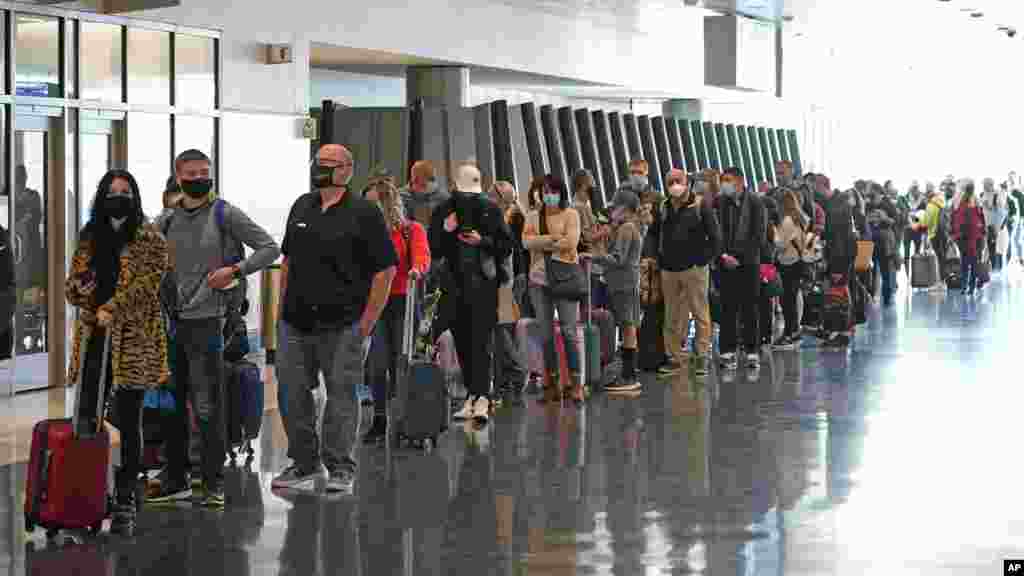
[[413, 250]]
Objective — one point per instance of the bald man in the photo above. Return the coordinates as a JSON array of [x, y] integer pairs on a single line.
[[205, 235], [339, 261]]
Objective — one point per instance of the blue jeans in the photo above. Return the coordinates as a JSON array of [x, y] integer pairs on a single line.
[[339, 355], [968, 272]]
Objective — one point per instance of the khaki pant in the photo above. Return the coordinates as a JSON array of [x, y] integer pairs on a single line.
[[686, 293]]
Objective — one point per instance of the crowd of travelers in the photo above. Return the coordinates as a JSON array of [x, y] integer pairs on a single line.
[[769, 266]]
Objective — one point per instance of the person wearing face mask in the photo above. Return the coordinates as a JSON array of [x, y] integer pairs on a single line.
[[423, 194], [205, 235], [553, 233], [336, 278], [469, 232], [509, 373], [622, 272], [410, 243], [126, 303], [689, 239], [744, 227]]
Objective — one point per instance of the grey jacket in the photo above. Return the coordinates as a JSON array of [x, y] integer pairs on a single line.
[[199, 246], [622, 263]]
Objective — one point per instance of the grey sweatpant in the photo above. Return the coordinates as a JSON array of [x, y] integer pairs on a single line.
[[340, 356]]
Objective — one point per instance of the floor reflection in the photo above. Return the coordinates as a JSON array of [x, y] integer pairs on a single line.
[[883, 459]]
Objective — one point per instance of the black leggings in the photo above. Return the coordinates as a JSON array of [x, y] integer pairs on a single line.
[[791, 277]]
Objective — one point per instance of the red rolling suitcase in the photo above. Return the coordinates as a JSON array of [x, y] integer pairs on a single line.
[[69, 463]]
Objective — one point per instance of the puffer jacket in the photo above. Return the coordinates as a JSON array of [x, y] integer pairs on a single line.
[[138, 337]]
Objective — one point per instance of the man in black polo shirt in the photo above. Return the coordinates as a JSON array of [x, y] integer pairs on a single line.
[[337, 271]]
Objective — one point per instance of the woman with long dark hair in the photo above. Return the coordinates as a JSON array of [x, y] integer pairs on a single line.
[[553, 233], [115, 282]]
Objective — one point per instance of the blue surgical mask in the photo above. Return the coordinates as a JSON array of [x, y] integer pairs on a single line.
[[552, 200], [728, 189]]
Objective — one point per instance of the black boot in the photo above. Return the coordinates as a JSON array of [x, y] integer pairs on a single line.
[[122, 521], [378, 429]]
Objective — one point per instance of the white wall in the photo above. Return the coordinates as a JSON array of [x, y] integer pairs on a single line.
[[636, 44]]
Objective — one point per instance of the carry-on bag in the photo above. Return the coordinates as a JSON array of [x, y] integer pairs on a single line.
[[924, 270], [422, 410], [865, 253], [814, 304], [983, 268], [531, 342], [244, 407], [837, 309], [69, 464]]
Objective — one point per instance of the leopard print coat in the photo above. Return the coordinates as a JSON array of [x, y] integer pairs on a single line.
[[138, 341]]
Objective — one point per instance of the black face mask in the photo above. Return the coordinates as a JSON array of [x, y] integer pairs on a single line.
[[323, 177], [118, 206], [197, 188]]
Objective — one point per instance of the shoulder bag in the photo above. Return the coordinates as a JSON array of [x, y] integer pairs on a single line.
[[566, 280]]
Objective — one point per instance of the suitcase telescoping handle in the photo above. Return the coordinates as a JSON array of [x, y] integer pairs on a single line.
[[409, 322], [76, 415]]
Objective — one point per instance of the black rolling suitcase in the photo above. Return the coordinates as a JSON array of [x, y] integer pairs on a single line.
[[422, 410]]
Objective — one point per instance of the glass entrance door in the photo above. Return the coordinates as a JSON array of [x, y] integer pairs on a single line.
[[38, 155]]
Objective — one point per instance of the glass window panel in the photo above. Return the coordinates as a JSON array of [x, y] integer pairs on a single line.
[[149, 157], [102, 148], [100, 72], [194, 132], [149, 66], [37, 41], [194, 71]]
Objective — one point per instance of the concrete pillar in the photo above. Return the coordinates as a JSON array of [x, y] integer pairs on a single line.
[[684, 109], [438, 86]]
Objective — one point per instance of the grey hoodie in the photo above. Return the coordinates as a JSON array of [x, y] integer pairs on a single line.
[[198, 247], [420, 207]]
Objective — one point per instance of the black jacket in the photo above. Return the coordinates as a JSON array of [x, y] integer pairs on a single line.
[[746, 242], [475, 212], [686, 237], [840, 235]]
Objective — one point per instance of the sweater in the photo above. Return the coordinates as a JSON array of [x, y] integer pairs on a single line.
[[197, 246], [787, 238], [416, 255], [561, 241], [622, 262]]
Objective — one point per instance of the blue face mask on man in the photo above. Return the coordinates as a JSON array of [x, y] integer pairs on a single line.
[[552, 200]]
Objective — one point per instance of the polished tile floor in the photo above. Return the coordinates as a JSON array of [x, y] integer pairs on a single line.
[[898, 457]]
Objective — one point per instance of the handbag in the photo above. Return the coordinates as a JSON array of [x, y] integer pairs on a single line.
[[770, 280], [566, 280]]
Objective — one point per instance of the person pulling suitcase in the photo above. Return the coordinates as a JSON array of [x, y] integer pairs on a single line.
[[127, 307]]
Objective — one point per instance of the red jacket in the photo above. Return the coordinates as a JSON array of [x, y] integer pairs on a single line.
[[968, 228], [419, 250]]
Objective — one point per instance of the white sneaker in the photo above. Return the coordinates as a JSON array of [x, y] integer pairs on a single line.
[[466, 412], [728, 361], [753, 361], [481, 409]]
